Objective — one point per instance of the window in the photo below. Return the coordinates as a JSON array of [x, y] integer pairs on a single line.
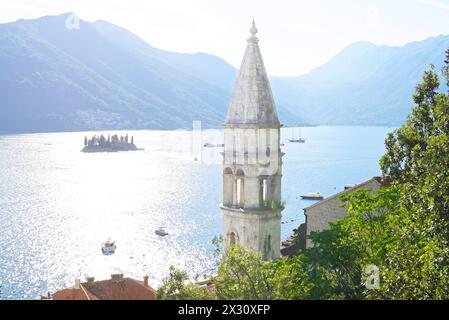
[[263, 193], [228, 185], [268, 137], [265, 190], [239, 191], [232, 239]]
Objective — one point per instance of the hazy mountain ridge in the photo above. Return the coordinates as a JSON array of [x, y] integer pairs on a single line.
[[363, 85], [84, 81], [104, 77]]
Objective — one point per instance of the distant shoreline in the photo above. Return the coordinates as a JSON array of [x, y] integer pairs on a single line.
[[190, 129]]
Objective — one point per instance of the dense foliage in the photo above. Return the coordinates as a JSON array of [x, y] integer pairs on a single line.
[[178, 287], [402, 231]]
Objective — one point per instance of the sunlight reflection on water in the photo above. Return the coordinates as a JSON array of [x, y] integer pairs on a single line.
[[57, 204]]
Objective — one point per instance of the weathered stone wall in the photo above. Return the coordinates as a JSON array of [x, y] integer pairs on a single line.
[[319, 216], [255, 231], [252, 222]]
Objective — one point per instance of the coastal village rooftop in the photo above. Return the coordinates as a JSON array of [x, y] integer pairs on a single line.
[[116, 288]]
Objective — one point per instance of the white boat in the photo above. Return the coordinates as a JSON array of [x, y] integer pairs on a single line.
[[210, 145], [297, 140], [161, 232], [313, 196], [108, 247]]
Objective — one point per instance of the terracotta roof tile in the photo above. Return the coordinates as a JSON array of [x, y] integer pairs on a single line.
[[70, 294], [121, 289]]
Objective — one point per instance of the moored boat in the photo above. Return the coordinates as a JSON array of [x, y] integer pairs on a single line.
[[298, 139], [108, 247], [211, 145], [161, 232], [313, 196]]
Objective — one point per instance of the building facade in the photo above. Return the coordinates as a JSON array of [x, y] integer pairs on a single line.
[[321, 214], [252, 161]]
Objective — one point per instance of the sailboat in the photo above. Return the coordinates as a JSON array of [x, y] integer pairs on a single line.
[[297, 140]]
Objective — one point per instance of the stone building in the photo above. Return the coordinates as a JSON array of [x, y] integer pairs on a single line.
[[252, 160], [321, 214]]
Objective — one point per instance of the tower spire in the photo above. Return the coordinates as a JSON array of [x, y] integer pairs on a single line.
[[252, 101]]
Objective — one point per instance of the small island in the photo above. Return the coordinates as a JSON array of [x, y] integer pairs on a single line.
[[113, 143]]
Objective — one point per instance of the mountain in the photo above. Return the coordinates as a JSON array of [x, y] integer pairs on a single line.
[[101, 76], [365, 84]]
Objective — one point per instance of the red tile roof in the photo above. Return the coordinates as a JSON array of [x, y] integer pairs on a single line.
[[118, 288], [123, 289], [70, 294]]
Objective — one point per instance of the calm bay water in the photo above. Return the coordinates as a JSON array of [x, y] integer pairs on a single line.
[[57, 204]]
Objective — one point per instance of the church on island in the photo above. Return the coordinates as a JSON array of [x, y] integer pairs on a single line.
[[252, 161]]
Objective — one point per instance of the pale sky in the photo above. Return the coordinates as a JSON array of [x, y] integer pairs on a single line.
[[295, 35]]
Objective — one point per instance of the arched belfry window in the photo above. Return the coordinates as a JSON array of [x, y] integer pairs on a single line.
[[268, 136], [264, 192], [240, 189], [228, 187], [232, 239]]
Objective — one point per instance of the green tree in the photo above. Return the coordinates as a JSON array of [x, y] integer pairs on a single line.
[[177, 286], [417, 158], [446, 68], [337, 261], [299, 238], [244, 275]]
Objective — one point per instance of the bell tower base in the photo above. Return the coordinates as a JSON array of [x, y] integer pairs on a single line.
[[256, 230]]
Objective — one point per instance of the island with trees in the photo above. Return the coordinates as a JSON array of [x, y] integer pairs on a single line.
[[112, 143]]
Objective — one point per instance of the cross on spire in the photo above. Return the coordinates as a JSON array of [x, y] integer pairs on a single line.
[[253, 29]]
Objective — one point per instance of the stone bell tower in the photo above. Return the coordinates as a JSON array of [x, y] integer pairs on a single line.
[[252, 164]]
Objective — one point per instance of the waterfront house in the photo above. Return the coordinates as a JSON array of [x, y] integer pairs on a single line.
[[321, 214]]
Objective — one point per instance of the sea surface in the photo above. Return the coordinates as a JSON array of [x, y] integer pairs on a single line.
[[57, 204]]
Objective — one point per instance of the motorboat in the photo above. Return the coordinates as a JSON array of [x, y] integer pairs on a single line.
[[108, 247], [211, 145], [161, 232], [313, 196]]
